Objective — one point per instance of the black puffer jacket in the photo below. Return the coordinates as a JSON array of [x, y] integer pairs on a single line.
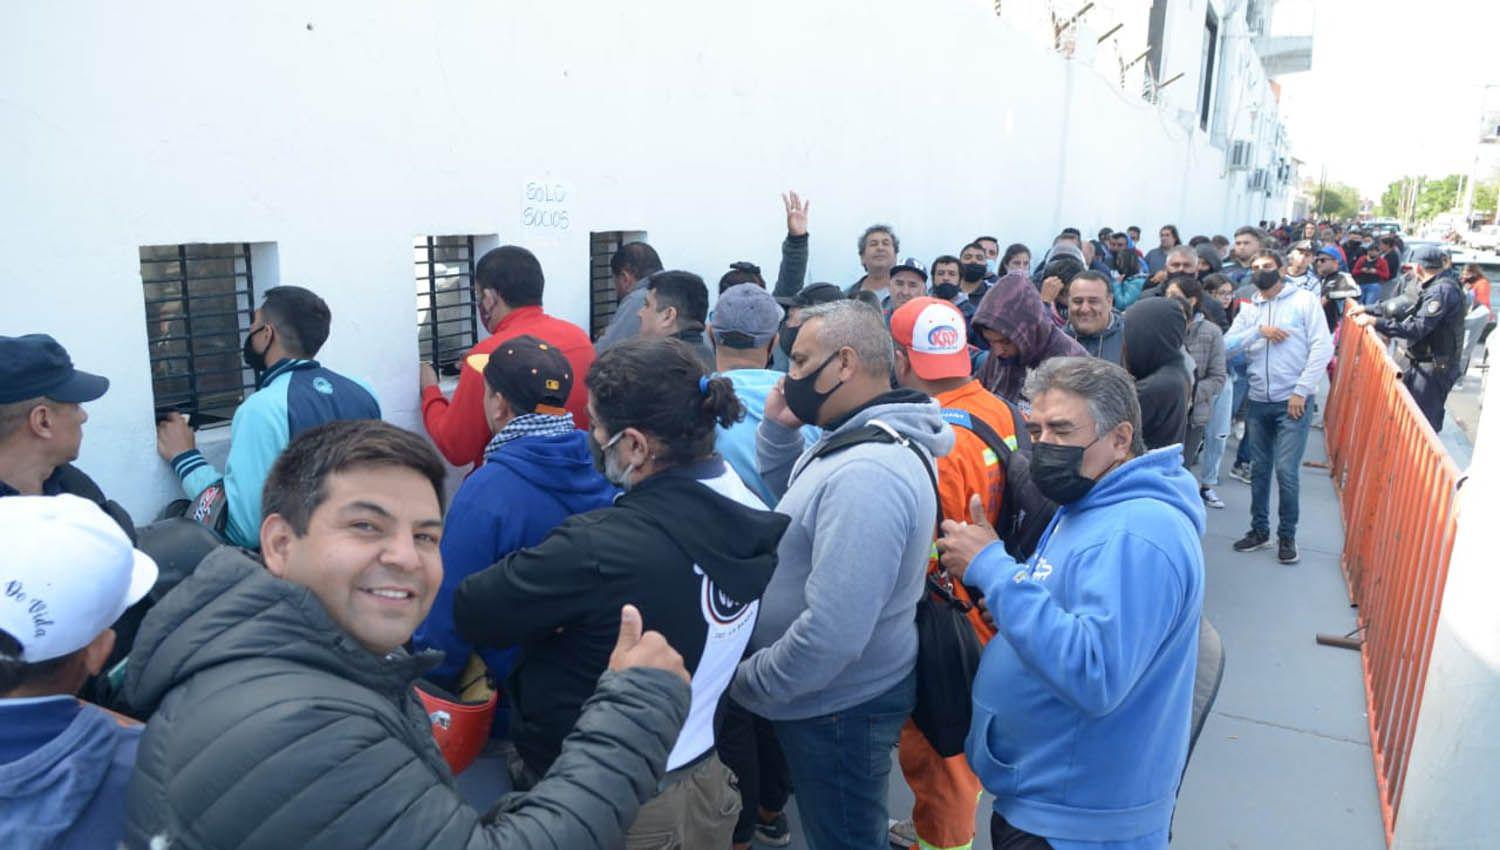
[[272, 728]]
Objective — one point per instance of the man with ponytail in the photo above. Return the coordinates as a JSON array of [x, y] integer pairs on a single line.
[[687, 543]]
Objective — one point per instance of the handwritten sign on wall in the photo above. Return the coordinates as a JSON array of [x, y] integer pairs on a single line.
[[546, 207]]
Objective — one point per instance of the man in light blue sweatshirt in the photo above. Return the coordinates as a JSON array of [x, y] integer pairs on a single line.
[[293, 393], [835, 648], [1082, 704], [1283, 332]]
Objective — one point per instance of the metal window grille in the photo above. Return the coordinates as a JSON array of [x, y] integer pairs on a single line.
[[602, 297], [447, 325], [199, 300]]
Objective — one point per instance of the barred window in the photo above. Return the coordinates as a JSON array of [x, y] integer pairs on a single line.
[[602, 296], [447, 324], [200, 298]]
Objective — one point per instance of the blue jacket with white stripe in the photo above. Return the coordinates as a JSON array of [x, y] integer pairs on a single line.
[[292, 396]]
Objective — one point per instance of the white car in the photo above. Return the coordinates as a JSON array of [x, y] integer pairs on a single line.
[[1486, 238]]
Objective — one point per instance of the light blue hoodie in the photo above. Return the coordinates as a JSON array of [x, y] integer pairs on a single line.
[[1082, 701], [1278, 370]]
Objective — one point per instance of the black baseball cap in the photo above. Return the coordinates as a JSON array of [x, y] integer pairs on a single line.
[[910, 264], [817, 293], [531, 374], [37, 365]]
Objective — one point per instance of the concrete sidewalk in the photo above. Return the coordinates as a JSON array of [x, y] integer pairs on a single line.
[[1284, 761]]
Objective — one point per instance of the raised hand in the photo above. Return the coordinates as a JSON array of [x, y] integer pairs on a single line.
[[796, 213]]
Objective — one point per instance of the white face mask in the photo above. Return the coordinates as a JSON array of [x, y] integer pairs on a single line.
[[612, 472]]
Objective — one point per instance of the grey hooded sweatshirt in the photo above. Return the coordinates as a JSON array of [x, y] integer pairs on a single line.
[[1105, 344], [837, 621]]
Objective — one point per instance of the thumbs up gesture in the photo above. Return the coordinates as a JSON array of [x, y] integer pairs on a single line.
[[962, 541], [634, 649]]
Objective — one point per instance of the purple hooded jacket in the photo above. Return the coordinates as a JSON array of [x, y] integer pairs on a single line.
[[1013, 309]]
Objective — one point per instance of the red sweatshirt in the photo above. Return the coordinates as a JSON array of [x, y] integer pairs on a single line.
[[458, 427]]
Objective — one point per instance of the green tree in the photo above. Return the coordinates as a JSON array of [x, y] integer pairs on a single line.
[[1485, 196], [1394, 197], [1337, 200], [1439, 196]]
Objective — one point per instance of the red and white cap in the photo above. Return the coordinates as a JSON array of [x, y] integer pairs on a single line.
[[933, 333], [67, 573]]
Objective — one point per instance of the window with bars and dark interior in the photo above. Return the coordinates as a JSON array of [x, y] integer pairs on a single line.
[[200, 299], [447, 321], [602, 296]]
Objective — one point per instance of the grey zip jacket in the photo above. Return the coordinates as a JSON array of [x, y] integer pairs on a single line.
[[837, 622]]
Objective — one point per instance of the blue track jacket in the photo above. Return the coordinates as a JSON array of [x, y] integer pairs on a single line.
[[524, 489], [293, 396], [1081, 706]]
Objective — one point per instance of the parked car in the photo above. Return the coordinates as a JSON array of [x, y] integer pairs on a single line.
[[1486, 238]]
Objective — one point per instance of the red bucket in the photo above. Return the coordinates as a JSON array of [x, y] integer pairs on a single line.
[[460, 728]]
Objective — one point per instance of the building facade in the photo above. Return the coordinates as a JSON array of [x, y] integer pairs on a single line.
[[169, 161]]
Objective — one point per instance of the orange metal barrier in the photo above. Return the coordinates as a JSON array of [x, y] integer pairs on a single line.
[[1397, 488]]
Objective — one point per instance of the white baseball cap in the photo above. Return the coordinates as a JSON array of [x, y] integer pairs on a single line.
[[67, 573], [932, 332]]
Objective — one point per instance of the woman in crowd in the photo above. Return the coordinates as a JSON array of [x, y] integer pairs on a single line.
[[1021, 334], [687, 543], [1129, 278], [1017, 258], [1208, 421]]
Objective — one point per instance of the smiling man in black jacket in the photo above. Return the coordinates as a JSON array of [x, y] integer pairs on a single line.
[[281, 698]]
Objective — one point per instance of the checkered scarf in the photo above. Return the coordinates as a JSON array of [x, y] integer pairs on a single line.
[[530, 425]]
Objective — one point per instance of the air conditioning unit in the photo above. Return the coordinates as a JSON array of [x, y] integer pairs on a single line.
[[1239, 156]]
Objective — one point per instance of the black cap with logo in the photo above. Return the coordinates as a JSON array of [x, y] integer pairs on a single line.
[[532, 375]]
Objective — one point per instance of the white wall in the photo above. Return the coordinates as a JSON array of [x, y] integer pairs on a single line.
[[340, 131]]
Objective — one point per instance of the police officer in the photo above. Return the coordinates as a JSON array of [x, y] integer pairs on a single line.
[[1434, 330]]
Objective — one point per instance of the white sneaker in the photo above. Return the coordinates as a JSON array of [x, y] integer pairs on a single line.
[[903, 834], [1211, 498]]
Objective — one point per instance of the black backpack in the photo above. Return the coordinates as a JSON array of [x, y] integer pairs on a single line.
[[1024, 511], [947, 647]]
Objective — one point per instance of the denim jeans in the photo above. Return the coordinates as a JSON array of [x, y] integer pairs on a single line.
[[841, 765], [1275, 438], [1369, 293], [1239, 373], [1217, 435]]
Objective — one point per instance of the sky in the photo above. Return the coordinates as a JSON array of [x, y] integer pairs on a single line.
[[1416, 70]]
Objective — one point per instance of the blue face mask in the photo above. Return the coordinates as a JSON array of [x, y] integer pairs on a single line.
[[991, 265]]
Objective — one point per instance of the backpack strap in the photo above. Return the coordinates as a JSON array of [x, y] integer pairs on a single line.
[[1002, 448], [876, 431]]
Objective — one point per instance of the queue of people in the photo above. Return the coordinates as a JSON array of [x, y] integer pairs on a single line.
[[688, 558]]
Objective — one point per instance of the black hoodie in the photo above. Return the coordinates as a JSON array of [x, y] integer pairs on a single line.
[[1154, 331], [692, 559]]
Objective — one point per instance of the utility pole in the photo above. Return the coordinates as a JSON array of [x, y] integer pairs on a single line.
[[1322, 184], [1484, 101]]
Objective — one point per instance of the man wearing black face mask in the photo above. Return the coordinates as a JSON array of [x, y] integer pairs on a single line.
[[834, 652], [1284, 334], [293, 393], [1091, 673]]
